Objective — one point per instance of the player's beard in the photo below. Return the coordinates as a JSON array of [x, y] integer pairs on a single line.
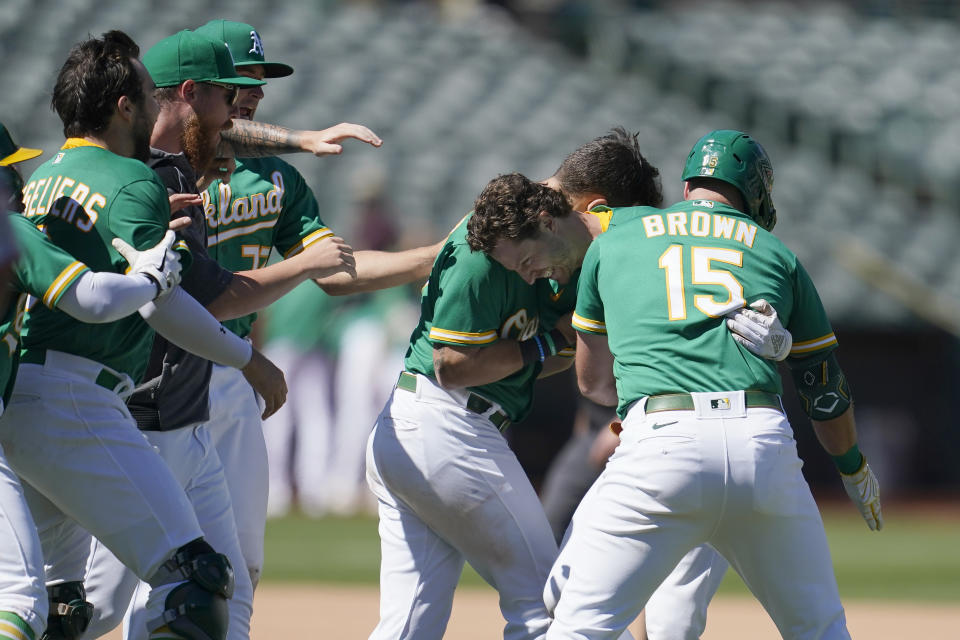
[[142, 129], [199, 143]]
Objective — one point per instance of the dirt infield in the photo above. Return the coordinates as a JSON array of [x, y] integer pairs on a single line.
[[324, 612]]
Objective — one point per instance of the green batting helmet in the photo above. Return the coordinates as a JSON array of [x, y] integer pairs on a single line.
[[737, 159]]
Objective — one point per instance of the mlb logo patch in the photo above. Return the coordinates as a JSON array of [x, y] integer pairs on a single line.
[[58, 158], [720, 403]]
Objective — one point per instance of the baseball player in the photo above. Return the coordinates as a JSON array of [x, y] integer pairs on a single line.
[[268, 206], [448, 487], [198, 86], [540, 246], [87, 465], [706, 453]]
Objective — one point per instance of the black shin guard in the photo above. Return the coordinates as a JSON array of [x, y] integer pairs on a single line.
[[70, 613]]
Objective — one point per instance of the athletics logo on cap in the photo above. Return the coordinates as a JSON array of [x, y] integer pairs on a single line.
[[257, 47]]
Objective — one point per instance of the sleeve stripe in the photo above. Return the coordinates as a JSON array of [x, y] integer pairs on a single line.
[[586, 324], [813, 345], [461, 337], [62, 282], [305, 242]]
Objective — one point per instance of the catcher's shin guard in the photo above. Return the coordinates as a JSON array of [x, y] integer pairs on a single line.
[[197, 608], [70, 613]]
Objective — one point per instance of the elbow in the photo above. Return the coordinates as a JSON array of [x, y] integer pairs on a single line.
[[333, 288], [597, 391], [587, 389], [446, 373]]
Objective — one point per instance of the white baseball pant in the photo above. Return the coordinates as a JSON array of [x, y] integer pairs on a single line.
[[76, 444], [677, 610], [450, 489], [729, 476], [237, 433], [191, 456], [22, 590]]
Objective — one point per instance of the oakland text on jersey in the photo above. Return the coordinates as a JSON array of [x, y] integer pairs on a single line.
[[700, 224], [228, 211], [48, 196]]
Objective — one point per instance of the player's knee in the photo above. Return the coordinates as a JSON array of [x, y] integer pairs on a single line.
[[197, 608], [70, 613]]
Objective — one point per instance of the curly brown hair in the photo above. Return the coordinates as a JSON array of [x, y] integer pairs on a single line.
[[508, 207], [612, 166]]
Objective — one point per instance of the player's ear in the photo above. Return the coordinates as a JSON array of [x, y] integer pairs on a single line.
[[126, 108], [596, 202], [187, 90], [547, 221], [686, 189]]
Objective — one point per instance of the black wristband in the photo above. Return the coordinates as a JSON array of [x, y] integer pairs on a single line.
[[152, 278], [531, 351]]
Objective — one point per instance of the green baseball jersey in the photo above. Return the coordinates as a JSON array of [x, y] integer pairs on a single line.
[[267, 205], [472, 301], [659, 286], [83, 197], [43, 271]]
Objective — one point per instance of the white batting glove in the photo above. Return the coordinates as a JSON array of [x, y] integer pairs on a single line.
[[159, 263], [759, 331], [863, 489]]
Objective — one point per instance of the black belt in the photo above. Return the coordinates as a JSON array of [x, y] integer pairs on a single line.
[[684, 401], [104, 379], [475, 403]]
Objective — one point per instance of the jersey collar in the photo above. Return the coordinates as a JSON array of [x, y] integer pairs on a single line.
[[73, 143], [604, 214]]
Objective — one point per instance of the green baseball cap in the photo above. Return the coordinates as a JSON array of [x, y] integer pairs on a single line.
[[11, 152], [189, 55], [245, 45]]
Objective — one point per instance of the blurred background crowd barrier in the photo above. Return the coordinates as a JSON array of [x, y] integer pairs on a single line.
[[858, 104]]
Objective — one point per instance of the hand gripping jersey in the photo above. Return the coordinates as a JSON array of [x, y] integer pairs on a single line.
[[83, 197], [687, 266], [471, 300]]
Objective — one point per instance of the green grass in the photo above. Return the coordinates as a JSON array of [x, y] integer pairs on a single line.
[[915, 557]]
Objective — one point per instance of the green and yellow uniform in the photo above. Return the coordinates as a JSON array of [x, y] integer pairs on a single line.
[[659, 287], [471, 300], [84, 197], [43, 271], [267, 205]]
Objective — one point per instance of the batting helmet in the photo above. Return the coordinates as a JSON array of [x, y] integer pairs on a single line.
[[737, 159]]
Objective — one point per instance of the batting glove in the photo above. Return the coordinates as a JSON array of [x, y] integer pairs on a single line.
[[759, 331], [159, 263], [863, 489]]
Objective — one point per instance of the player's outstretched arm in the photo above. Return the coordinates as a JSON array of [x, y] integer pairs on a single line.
[[106, 297], [251, 291], [381, 270], [252, 139], [838, 437], [183, 321], [595, 369]]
